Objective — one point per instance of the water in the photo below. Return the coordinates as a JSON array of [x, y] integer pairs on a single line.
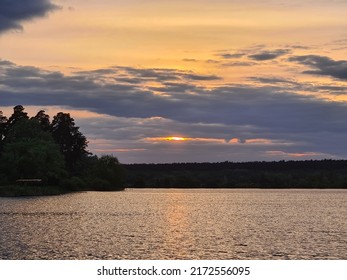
[[176, 224]]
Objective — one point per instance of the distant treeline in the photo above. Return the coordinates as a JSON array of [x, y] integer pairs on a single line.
[[279, 174], [54, 153]]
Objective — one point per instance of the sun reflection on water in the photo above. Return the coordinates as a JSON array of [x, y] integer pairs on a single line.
[[178, 230]]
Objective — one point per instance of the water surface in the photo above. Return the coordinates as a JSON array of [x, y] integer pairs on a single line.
[[176, 224]]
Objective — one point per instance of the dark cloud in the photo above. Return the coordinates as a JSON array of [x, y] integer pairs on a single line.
[[250, 56], [14, 12], [230, 55], [335, 90], [272, 80], [239, 64], [212, 61], [163, 75], [225, 104], [300, 47], [176, 88], [268, 55], [323, 65], [178, 105], [6, 63], [202, 77], [152, 74]]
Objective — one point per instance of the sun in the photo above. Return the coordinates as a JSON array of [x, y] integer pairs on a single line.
[[175, 138]]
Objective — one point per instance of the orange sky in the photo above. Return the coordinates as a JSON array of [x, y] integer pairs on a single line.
[[183, 56], [91, 34]]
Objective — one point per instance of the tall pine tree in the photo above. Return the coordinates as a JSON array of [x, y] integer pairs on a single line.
[[72, 142]]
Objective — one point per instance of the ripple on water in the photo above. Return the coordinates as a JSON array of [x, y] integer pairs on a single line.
[[176, 224]]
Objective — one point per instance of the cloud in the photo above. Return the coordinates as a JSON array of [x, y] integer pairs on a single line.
[[132, 104], [238, 64], [157, 74], [183, 100], [202, 77], [212, 61], [299, 155], [230, 55], [268, 55], [272, 80], [190, 60], [323, 65], [13, 13], [250, 56], [332, 89]]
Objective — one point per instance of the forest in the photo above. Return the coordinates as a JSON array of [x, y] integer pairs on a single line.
[[280, 174], [40, 156]]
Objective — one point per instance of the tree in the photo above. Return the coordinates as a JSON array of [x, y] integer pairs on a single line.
[[43, 120], [25, 130], [106, 173], [37, 149], [3, 124], [18, 114], [71, 141], [3, 128], [29, 153]]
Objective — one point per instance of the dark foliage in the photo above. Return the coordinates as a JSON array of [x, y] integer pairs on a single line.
[[3, 129], [43, 120], [106, 173], [30, 152], [18, 114], [71, 141], [52, 153], [281, 174]]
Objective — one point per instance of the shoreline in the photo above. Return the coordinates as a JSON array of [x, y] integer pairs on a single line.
[[40, 191], [19, 191]]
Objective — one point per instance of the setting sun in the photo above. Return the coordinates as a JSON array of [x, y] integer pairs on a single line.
[[175, 138]]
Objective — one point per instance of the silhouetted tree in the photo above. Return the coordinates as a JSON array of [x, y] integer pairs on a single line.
[[3, 122], [25, 130], [72, 142], [3, 128], [18, 114], [105, 173], [43, 120], [35, 148], [29, 152]]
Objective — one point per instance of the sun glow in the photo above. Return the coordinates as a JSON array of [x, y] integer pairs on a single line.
[[175, 138]]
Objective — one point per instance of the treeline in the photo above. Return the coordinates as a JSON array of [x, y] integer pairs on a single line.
[[280, 174], [54, 152]]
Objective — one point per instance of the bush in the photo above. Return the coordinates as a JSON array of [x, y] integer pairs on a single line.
[[74, 184]]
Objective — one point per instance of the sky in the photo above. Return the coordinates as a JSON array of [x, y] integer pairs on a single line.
[[160, 81]]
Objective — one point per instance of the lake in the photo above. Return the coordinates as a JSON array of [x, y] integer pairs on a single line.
[[176, 224]]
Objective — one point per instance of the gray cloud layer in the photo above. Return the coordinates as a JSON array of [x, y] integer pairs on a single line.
[[14, 12], [268, 55], [270, 109], [323, 65], [256, 53]]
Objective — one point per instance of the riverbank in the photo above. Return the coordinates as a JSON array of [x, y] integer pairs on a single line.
[[16, 190]]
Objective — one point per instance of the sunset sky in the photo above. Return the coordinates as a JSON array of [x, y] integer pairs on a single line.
[[184, 80]]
